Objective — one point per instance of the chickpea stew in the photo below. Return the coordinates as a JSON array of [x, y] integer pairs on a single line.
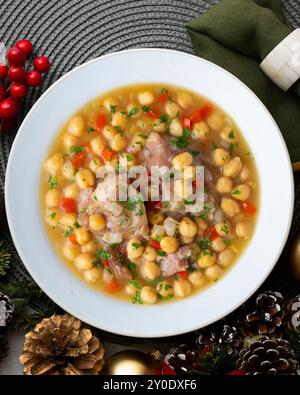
[[149, 252]]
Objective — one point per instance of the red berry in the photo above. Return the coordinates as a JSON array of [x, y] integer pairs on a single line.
[[16, 73], [33, 78], [8, 108], [16, 57], [18, 90], [3, 71], [2, 92], [25, 46], [41, 63]]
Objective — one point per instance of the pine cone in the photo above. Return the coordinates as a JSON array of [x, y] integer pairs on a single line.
[[60, 345], [221, 335], [266, 317], [293, 314], [268, 356], [7, 309], [183, 359]]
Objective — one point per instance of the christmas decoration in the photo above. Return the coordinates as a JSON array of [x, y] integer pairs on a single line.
[[15, 78], [131, 362], [266, 317], [61, 345], [293, 314], [267, 356], [294, 261], [6, 309]]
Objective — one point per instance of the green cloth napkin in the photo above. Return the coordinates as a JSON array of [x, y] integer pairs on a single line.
[[237, 35]]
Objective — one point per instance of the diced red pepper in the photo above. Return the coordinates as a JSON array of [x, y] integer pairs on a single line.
[[107, 154], [101, 121], [211, 233], [182, 275], [163, 97], [167, 370], [195, 116], [68, 205], [153, 114], [154, 243], [249, 208], [206, 110], [113, 286], [105, 262], [73, 239], [87, 147], [78, 159], [186, 123]]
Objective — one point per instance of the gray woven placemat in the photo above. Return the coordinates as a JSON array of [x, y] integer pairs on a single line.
[[70, 32]]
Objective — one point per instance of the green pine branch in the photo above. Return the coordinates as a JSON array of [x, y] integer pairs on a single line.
[[4, 260]]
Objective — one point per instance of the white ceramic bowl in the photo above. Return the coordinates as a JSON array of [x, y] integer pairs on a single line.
[[37, 133]]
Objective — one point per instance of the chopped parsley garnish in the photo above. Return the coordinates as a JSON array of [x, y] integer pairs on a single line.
[[137, 299], [236, 192], [225, 229], [204, 243], [76, 149], [183, 140], [158, 238], [75, 171], [76, 225], [195, 153], [103, 254], [52, 215], [134, 283], [52, 181], [207, 206], [129, 157], [166, 119], [232, 147], [132, 112], [188, 202], [164, 91], [213, 146], [112, 109], [166, 205], [144, 136], [227, 242], [90, 130], [190, 267], [145, 108], [135, 246], [119, 129], [231, 135], [161, 253], [203, 215], [68, 232], [133, 202]]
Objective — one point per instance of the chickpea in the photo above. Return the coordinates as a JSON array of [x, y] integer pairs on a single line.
[[53, 217], [200, 130], [228, 134], [68, 219], [71, 251], [69, 140], [182, 288], [220, 156], [150, 270], [218, 244], [92, 275], [187, 227], [135, 248], [244, 229], [148, 295], [110, 103], [84, 261], [230, 207], [165, 289], [201, 225], [226, 257], [169, 244], [119, 119], [158, 126], [216, 121], [76, 125], [145, 98], [241, 192], [185, 100], [97, 222], [176, 128], [213, 273], [109, 132], [172, 109], [82, 235], [130, 289], [223, 228], [233, 167], [94, 164], [70, 191], [137, 142], [118, 143], [197, 278], [90, 246], [68, 170], [54, 164], [84, 178], [182, 160], [206, 259], [224, 185], [98, 144], [244, 173], [149, 253], [155, 217], [52, 198]]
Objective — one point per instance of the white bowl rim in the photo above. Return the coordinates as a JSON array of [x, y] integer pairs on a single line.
[[88, 320]]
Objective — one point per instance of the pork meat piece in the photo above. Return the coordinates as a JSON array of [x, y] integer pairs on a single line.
[[156, 151], [176, 262]]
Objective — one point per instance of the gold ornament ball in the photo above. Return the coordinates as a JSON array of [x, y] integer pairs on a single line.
[[130, 362], [295, 257]]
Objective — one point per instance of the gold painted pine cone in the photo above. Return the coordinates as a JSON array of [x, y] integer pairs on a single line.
[[61, 345]]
